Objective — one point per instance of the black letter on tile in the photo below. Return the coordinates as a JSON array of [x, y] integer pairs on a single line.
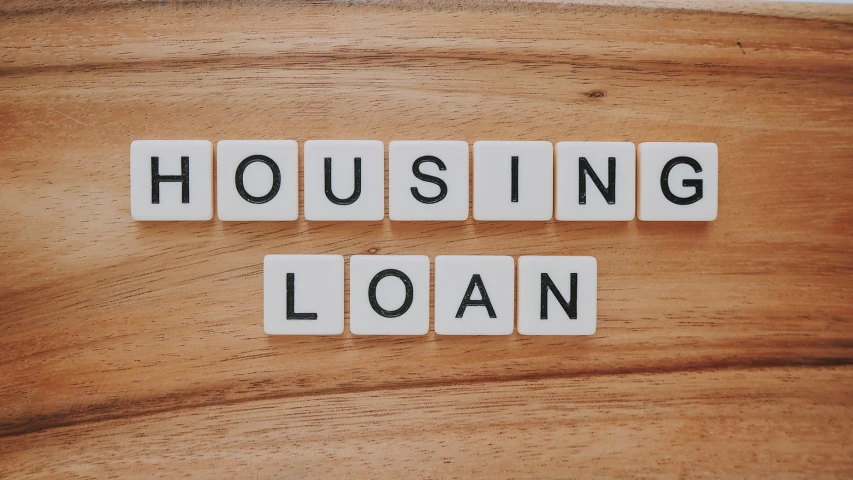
[[184, 178], [291, 300], [571, 308], [514, 194], [276, 179], [476, 281], [356, 189], [585, 169], [407, 302], [429, 178], [695, 183]]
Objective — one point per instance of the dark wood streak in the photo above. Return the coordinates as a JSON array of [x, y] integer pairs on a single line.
[[626, 7], [345, 58], [189, 400]]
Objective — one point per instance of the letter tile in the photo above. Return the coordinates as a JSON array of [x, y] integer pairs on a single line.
[[428, 180], [304, 294], [596, 181], [171, 180], [389, 294], [474, 295], [557, 295], [513, 180], [344, 179], [257, 180], [678, 181]]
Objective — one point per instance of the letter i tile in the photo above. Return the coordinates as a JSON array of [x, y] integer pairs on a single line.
[[513, 180]]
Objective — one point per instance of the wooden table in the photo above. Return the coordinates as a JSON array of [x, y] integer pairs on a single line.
[[136, 349]]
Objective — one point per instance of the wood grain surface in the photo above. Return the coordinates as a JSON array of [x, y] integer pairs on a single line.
[[136, 350]]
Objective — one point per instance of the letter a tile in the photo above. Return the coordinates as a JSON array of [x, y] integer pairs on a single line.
[[474, 295]]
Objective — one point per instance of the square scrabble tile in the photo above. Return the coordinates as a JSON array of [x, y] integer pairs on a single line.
[[557, 295], [257, 180], [428, 180], [389, 294], [344, 179], [171, 180], [304, 294], [474, 295], [513, 180], [677, 181], [596, 181]]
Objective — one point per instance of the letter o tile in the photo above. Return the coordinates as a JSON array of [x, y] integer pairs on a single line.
[[389, 294]]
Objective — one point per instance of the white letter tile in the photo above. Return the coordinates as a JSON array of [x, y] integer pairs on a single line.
[[345, 198], [595, 158], [513, 180], [678, 181], [389, 294], [257, 180], [304, 294], [489, 308], [428, 180], [185, 187], [553, 275]]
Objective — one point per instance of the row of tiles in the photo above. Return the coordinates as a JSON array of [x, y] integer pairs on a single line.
[[428, 180], [389, 295]]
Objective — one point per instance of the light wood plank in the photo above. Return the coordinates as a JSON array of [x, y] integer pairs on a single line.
[[116, 337], [737, 423]]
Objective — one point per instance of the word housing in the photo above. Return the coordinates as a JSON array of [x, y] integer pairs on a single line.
[[389, 295], [427, 180]]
